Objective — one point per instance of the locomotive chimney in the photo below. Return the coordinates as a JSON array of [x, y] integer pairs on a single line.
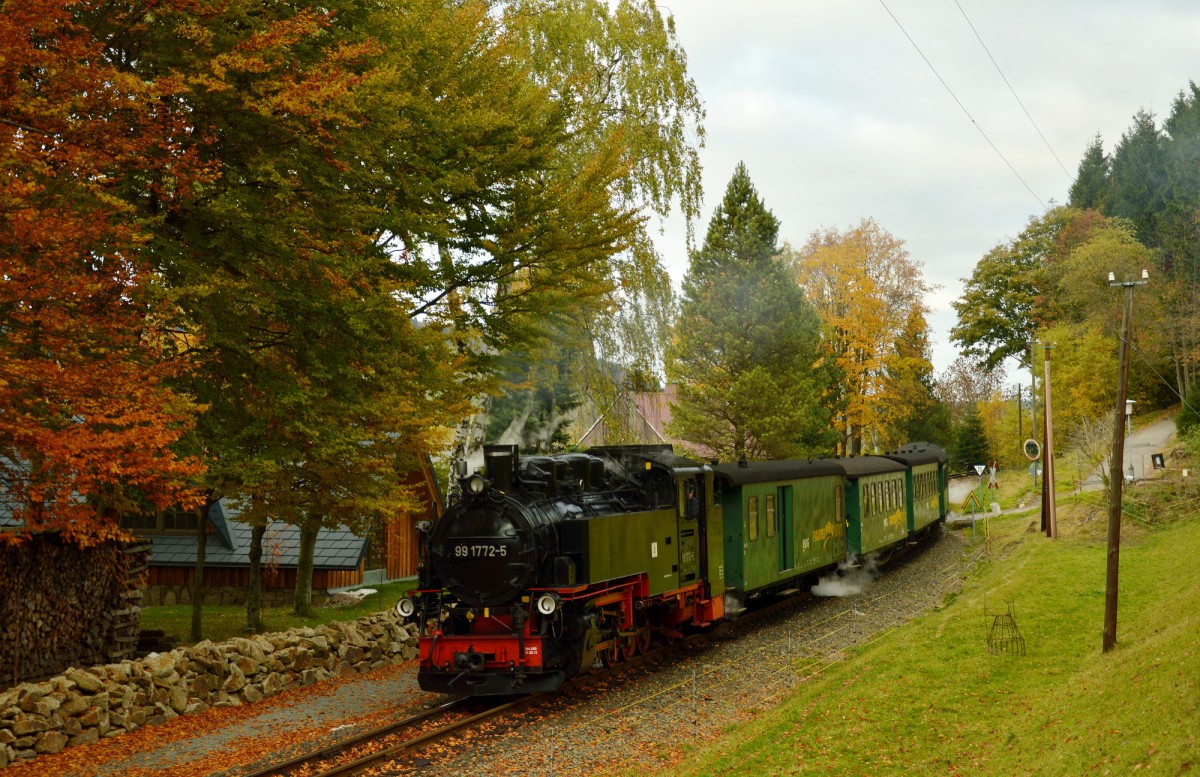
[[500, 462]]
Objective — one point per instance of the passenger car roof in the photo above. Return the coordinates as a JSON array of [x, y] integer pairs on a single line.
[[766, 471], [857, 466], [919, 453]]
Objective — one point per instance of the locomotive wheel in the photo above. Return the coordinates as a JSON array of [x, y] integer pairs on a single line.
[[644, 639], [629, 647], [612, 654]]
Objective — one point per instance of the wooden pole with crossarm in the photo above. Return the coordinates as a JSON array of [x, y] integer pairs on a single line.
[[1116, 474]]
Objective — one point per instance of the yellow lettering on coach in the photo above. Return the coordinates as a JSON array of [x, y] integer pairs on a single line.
[[826, 532]]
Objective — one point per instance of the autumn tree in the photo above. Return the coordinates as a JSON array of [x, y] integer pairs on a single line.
[[620, 76], [966, 383], [745, 350], [868, 292], [393, 210], [90, 427], [1152, 181], [1013, 289], [910, 406]]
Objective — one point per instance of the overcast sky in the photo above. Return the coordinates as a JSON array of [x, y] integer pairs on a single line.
[[838, 117]]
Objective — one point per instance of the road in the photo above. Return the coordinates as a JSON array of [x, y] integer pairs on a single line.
[[1140, 446]]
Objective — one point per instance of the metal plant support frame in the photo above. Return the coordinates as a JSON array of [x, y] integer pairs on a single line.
[[1005, 638]]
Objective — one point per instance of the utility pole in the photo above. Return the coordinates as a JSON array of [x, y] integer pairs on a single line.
[[1049, 517], [1117, 465], [1020, 415]]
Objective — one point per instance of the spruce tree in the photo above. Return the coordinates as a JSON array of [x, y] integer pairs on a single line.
[[1091, 182], [744, 350], [970, 442]]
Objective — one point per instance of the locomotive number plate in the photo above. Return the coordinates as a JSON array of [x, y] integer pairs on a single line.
[[480, 550]]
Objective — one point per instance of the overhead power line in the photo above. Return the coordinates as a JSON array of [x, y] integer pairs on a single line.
[[1014, 91], [963, 107]]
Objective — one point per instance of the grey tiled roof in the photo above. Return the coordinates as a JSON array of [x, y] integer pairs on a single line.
[[229, 546], [229, 542]]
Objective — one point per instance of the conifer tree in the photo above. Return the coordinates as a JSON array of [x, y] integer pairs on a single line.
[[970, 442], [1091, 182], [744, 350]]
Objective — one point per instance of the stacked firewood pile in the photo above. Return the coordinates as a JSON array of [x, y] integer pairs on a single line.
[[65, 605]]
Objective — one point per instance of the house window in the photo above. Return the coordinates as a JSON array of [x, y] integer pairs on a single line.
[[173, 521], [752, 518]]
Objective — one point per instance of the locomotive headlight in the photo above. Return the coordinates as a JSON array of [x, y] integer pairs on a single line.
[[475, 484], [406, 607], [548, 603]]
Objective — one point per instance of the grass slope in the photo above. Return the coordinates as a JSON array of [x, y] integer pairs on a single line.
[[930, 699], [223, 622]]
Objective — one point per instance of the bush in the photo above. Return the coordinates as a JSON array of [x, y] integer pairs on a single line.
[[1189, 414]]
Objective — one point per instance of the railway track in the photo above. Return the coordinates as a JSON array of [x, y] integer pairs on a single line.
[[423, 729], [417, 725]]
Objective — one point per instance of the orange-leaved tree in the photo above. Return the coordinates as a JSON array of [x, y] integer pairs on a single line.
[[88, 425]]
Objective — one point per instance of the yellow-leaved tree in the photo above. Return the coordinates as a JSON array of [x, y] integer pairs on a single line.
[[867, 291]]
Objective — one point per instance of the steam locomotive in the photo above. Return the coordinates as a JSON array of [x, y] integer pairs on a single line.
[[549, 566]]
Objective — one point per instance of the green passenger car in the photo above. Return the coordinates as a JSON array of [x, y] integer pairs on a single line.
[[926, 483], [782, 519], [875, 503]]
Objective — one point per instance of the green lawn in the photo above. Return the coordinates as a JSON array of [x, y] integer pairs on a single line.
[[221, 623], [929, 699]]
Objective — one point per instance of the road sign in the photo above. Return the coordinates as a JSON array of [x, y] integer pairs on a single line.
[[972, 502], [1033, 451], [979, 468]]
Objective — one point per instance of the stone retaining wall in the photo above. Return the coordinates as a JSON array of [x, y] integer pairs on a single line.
[[85, 705]]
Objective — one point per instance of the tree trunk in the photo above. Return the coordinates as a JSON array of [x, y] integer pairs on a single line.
[[304, 566], [198, 572], [254, 622]]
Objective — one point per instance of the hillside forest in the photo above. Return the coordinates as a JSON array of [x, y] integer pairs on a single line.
[[277, 253]]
